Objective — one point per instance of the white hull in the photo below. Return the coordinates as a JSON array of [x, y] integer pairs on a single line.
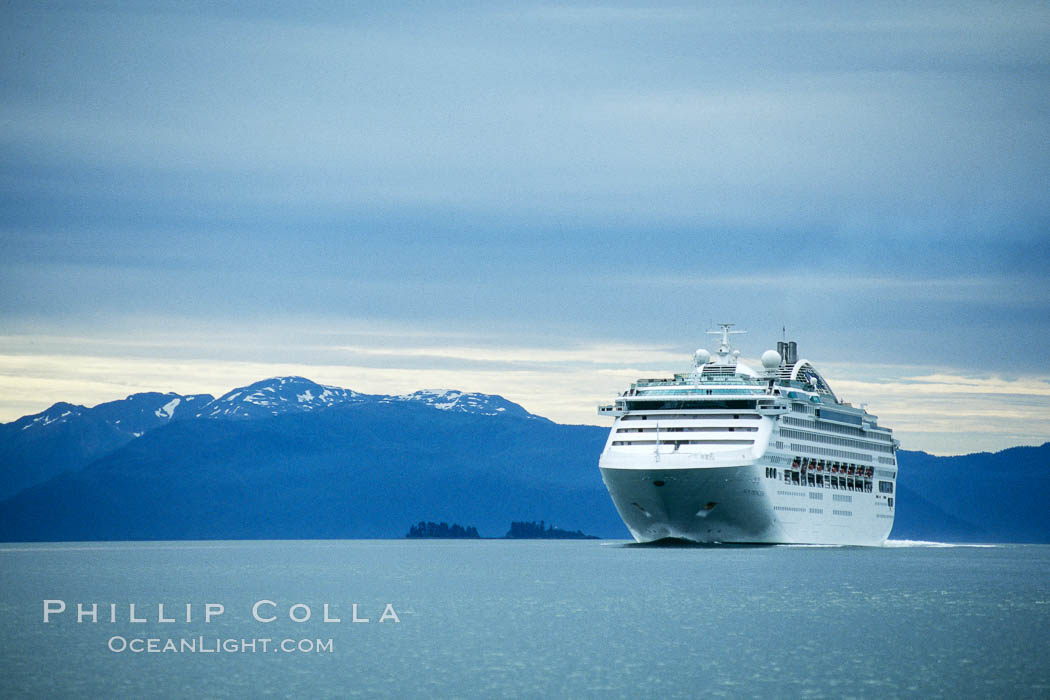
[[737, 504]]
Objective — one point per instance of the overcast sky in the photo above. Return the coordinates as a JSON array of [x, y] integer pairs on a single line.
[[537, 200]]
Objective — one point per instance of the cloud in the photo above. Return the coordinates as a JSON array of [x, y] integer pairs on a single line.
[[558, 193], [944, 412]]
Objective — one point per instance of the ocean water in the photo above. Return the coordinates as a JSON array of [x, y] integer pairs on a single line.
[[528, 619]]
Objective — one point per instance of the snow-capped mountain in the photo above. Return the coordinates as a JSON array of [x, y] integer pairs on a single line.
[[60, 412], [277, 395], [459, 402], [130, 417], [139, 413], [67, 436]]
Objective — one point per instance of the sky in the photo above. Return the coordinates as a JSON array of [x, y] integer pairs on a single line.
[[540, 200]]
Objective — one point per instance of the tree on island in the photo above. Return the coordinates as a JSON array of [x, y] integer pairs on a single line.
[[531, 530], [443, 530]]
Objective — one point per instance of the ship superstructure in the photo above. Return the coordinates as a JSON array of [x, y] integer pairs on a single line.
[[725, 453]]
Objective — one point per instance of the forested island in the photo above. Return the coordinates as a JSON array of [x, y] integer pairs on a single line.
[[532, 530], [519, 530], [443, 531]]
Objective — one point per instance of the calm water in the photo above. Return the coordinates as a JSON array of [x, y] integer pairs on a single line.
[[533, 619]]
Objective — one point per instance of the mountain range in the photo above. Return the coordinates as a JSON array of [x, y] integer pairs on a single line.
[[287, 458]]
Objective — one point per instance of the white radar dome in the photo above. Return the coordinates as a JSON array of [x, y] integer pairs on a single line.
[[771, 359], [700, 357]]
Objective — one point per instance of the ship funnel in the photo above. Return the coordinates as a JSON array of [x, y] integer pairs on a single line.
[[792, 353], [782, 349]]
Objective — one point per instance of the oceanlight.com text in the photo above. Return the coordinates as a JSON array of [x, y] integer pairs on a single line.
[[215, 645]]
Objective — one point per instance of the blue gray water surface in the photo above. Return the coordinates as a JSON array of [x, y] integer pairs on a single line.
[[532, 619]]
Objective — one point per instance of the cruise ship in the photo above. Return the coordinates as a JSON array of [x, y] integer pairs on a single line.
[[728, 454]]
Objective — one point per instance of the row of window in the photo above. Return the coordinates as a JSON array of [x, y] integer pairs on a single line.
[[836, 428], [684, 404], [828, 481], [813, 511], [820, 465], [832, 440], [852, 418], [823, 481], [676, 443], [714, 429], [829, 452], [700, 392], [693, 416]]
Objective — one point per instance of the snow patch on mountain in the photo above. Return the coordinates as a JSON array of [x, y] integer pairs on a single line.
[[60, 412], [167, 410], [458, 401], [276, 396]]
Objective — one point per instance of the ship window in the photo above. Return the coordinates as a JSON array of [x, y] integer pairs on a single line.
[[672, 405], [885, 487], [838, 416]]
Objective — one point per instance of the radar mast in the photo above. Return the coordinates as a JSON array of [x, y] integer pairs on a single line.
[[725, 348]]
